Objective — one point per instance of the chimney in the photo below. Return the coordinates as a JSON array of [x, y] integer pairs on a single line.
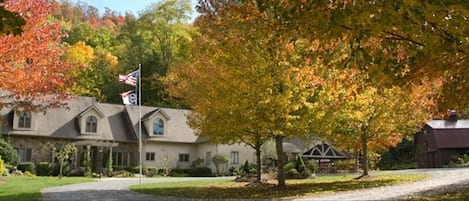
[[453, 115]]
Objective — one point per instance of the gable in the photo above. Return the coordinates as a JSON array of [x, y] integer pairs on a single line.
[[325, 151]]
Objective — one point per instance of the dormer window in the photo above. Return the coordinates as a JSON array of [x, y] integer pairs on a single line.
[[91, 124], [158, 127], [24, 120]]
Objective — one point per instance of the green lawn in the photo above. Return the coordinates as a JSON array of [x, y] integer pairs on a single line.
[[23, 188], [222, 189]]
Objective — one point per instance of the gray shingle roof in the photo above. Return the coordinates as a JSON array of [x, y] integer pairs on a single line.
[[445, 124], [177, 127]]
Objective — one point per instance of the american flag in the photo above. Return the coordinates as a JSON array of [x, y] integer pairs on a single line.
[[130, 79]]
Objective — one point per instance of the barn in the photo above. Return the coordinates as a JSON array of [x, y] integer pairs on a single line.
[[440, 140]]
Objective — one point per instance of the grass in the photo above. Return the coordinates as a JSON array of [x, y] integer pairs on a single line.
[[24, 188], [223, 189]]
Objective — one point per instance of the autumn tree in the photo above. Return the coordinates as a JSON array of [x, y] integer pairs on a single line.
[[250, 78], [34, 74], [360, 116], [396, 42], [11, 22]]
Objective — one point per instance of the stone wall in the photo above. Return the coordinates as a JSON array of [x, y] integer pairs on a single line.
[[41, 147]]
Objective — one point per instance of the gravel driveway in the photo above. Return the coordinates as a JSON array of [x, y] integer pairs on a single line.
[[116, 189]]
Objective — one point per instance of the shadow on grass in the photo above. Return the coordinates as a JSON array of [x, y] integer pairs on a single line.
[[264, 191], [21, 197]]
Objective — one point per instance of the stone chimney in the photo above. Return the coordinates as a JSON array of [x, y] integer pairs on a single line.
[[453, 115]]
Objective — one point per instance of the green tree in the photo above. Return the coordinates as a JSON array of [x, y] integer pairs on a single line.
[[163, 38], [63, 155], [9, 155]]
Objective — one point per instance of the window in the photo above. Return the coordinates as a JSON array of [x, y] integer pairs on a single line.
[[208, 158], [121, 158], [150, 156], [25, 155], [234, 157], [158, 127], [183, 157], [24, 120], [91, 124]]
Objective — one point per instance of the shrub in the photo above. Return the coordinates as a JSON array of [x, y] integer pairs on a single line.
[[199, 172], [77, 172], [26, 166], [44, 169], [312, 166], [8, 154], [247, 169], [28, 174], [178, 172], [296, 170], [196, 163], [121, 173], [65, 169], [345, 165], [151, 171]]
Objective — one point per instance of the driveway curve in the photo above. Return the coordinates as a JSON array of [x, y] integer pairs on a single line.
[[117, 189]]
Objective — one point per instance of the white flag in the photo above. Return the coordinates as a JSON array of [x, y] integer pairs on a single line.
[[129, 97]]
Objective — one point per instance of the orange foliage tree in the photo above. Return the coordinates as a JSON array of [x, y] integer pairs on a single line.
[[34, 74], [366, 118]]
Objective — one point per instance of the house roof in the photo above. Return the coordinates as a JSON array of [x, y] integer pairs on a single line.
[[177, 127], [118, 123], [446, 124]]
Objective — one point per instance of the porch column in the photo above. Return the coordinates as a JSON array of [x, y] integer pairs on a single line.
[[109, 165]]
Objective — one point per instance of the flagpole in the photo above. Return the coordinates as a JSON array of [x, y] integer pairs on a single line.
[[140, 123]]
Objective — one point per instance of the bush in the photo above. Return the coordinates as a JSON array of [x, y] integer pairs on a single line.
[[8, 154], [344, 165], [44, 169], [196, 163], [65, 169], [312, 166], [178, 172], [77, 172], [199, 172], [248, 169], [122, 173], [26, 166], [296, 170], [28, 174], [151, 171]]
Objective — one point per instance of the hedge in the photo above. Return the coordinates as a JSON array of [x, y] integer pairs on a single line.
[[44, 169], [26, 166]]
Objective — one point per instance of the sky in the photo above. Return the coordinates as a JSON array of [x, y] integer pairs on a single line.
[[121, 6]]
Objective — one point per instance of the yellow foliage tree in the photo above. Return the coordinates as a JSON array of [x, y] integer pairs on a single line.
[[364, 117]]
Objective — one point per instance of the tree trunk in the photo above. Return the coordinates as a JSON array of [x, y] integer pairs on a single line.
[[280, 162], [60, 169], [258, 163], [365, 153]]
